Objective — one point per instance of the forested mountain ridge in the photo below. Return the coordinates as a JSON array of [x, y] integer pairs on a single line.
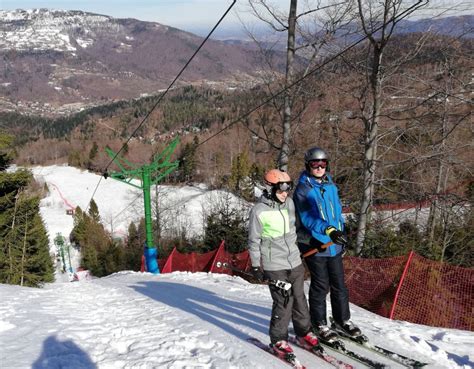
[[63, 61]]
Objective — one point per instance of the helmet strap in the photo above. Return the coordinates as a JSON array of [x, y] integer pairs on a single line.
[[274, 196]]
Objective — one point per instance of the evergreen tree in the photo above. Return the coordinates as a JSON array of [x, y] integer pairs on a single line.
[[226, 222], [94, 242], [6, 150], [92, 154], [24, 246], [134, 249], [94, 211], [36, 266], [239, 180], [187, 161]]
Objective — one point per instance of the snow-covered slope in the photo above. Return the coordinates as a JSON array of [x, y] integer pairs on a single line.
[[183, 208], [43, 29], [179, 320]]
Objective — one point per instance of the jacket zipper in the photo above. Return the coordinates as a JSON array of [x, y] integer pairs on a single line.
[[284, 234]]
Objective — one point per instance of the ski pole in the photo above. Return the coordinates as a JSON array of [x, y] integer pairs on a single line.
[[286, 286]]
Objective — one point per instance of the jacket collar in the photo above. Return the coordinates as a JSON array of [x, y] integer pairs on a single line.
[[307, 178], [267, 200]]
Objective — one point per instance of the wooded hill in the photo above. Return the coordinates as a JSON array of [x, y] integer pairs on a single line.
[[432, 86], [425, 138]]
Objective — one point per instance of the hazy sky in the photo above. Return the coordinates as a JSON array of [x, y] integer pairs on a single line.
[[184, 14], [178, 13]]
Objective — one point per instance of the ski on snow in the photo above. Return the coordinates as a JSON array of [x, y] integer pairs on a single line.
[[320, 353], [337, 345], [290, 358], [363, 341]]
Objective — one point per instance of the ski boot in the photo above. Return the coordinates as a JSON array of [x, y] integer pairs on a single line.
[[282, 349], [309, 342], [325, 333], [347, 328]]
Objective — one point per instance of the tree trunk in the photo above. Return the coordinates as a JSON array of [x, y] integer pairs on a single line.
[[22, 267], [290, 55], [10, 255], [440, 182], [370, 155]]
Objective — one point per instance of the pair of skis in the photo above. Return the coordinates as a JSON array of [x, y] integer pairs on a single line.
[[338, 346], [363, 341], [292, 360]]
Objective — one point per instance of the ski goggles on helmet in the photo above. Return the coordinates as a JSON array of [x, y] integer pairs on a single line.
[[314, 164], [284, 186]]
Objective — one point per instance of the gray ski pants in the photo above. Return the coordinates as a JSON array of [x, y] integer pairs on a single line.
[[285, 306]]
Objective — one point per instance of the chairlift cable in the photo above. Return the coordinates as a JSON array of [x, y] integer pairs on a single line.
[[398, 18], [161, 97]]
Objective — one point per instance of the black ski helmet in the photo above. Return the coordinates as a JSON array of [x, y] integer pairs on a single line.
[[315, 153]]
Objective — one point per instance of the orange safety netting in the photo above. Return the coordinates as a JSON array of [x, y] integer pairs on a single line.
[[409, 288], [372, 283], [192, 262], [414, 289], [436, 294]]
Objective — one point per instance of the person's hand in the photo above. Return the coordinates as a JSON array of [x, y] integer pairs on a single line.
[[336, 236], [257, 273]]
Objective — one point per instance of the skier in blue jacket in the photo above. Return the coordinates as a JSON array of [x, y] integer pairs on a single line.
[[321, 228]]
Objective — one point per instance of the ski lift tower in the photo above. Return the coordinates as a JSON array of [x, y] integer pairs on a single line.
[[148, 175]]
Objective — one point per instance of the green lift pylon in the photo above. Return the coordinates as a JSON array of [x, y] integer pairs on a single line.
[[148, 175], [61, 246]]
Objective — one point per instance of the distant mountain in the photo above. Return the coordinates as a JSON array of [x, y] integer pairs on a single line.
[[458, 26], [455, 26], [57, 61]]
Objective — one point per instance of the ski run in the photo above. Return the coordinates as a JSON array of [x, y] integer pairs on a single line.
[[180, 320]]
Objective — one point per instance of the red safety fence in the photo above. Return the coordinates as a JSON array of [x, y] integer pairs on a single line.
[[373, 283], [217, 261], [413, 289], [436, 294], [192, 262], [409, 288]]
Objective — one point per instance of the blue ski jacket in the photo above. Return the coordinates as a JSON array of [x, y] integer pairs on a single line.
[[317, 207]]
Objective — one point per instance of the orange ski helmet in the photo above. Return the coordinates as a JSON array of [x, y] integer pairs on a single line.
[[275, 180], [275, 176]]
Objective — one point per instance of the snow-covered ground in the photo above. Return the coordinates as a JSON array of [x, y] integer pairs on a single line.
[[179, 320], [183, 208]]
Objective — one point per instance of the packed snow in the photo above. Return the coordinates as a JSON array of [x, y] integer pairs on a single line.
[[178, 320]]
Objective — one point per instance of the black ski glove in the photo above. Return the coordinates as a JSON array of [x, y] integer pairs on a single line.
[[257, 273], [336, 236]]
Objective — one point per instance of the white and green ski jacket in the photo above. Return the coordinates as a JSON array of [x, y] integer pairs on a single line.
[[272, 235]]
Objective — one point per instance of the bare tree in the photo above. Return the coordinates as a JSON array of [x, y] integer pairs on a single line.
[[377, 22], [306, 35]]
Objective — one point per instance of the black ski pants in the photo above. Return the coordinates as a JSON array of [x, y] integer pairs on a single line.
[[286, 306], [327, 275]]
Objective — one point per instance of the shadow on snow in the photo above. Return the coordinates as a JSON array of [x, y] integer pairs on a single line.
[[62, 355], [208, 306]]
